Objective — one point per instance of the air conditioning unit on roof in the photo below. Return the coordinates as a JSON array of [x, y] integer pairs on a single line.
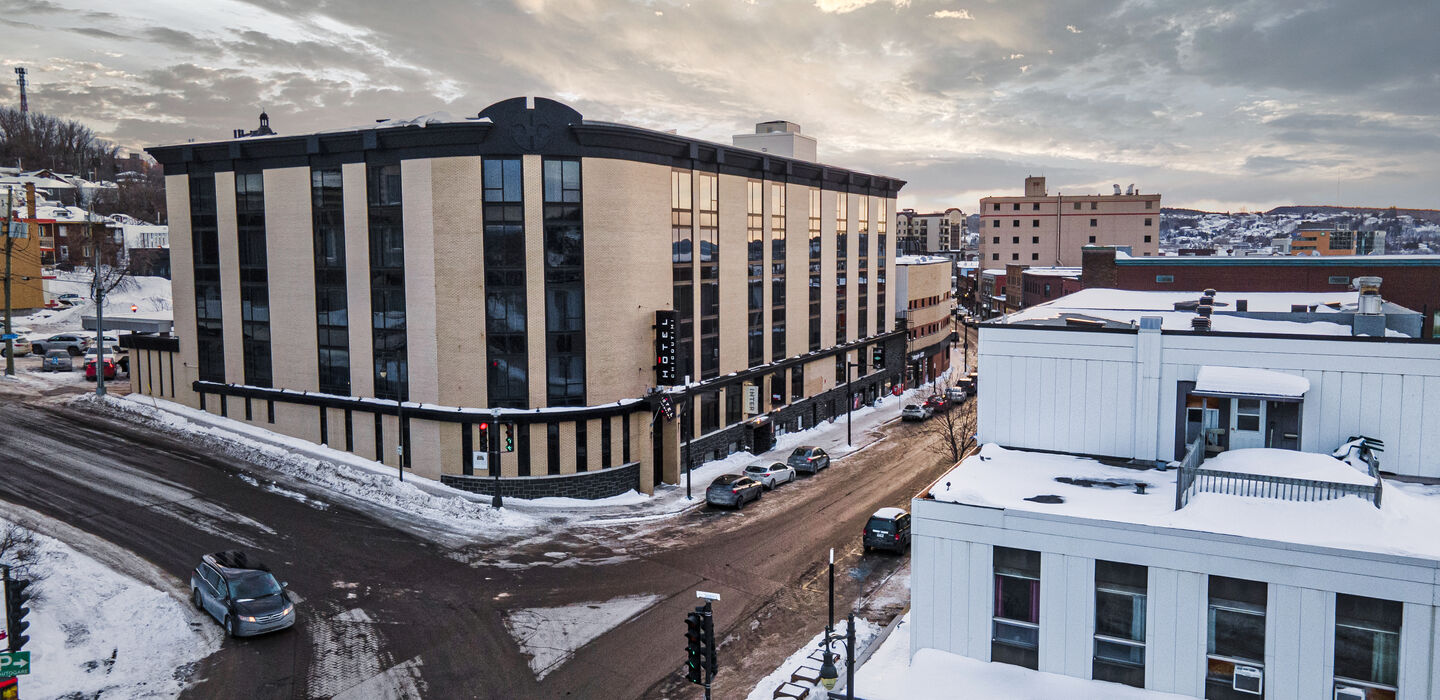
[[1249, 679]]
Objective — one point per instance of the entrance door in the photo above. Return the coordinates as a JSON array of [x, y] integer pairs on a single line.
[[1247, 423]]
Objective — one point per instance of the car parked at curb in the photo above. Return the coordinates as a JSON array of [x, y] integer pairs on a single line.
[[956, 394], [110, 368], [808, 459], [21, 345], [243, 596], [733, 490], [57, 361], [888, 528], [117, 355], [770, 475], [937, 403], [914, 412]]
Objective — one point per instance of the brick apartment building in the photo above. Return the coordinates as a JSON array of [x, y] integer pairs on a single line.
[[1040, 229]]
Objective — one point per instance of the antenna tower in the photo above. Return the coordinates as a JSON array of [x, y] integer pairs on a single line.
[[20, 78]]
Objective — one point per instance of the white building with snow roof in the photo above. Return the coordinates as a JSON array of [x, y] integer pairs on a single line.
[[1156, 502]]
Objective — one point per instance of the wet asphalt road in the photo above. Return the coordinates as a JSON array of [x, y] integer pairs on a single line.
[[382, 607]]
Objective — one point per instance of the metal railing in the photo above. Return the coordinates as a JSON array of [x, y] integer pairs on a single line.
[[1193, 479]]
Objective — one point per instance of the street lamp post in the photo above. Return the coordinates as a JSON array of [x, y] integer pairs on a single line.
[[828, 673], [399, 427]]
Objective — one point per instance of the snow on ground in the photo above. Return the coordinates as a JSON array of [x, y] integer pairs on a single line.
[[149, 294], [343, 474], [937, 675], [550, 636], [1001, 478], [865, 631], [98, 632]]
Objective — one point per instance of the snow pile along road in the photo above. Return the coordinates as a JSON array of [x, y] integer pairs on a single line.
[[96, 632]]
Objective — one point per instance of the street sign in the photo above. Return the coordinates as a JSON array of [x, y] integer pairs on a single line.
[[19, 229], [15, 663], [480, 462], [10, 336]]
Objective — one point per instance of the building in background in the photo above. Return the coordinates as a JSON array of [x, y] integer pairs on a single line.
[[938, 232], [924, 285], [517, 265], [147, 249], [1041, 284], [1040, 229], [27, 286], [1328, 239], [1412, 281]]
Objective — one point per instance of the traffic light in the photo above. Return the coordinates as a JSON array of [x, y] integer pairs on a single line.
[[877, 356], [667, 336], [484, 437], [15, 612], [509, 437], [697, 657]]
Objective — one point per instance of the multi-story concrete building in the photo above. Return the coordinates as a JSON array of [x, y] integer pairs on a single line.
[[509, 269], [1040, 229], [1327, 239], [923, 283], [918, 234]]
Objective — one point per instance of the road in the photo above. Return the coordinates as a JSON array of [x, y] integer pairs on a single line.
[[383, 606]]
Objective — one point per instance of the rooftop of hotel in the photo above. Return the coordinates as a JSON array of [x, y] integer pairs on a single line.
[[1088, 488]]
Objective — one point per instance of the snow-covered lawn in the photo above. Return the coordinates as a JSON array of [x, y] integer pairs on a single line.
[[550, 636], [891, 674], [149, 294], [99, 632]]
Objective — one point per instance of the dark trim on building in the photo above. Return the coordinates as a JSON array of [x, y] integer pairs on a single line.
[[138, 341], [599, 483], [549, 128]]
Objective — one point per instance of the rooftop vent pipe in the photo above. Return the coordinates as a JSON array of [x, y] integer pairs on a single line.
[[1370, 301], [1201, 322]]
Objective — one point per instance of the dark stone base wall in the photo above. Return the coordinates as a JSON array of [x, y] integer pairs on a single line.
[[597, 484]]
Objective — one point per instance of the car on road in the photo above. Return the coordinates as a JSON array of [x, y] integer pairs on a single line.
[[734, 490], [956, 394], [808, 459], [888, 528], [57, 361], [242, 595], [73, 343], [770, 475], [110, 367], [937, 403], [914, 412]]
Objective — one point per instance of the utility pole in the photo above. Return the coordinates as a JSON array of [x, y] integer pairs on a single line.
[[9, 248], [98, 293], [493, 458]]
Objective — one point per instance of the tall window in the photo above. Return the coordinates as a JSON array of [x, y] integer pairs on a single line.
[[709, 232], [387, 282], [755, 271], [254, 283], [881, 218], [1367, 645], [777, 271], [1015, 629], [842, 260], [814, 263], [1235, 651], [507, 369], [862, 270], [205, 247], [682, 259], [564, 285], [1120, 623], [332, 319]]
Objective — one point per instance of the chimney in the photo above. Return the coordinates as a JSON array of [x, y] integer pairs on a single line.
[[1098, 268], [1242, 305], [1370, 311], [1201, 322]]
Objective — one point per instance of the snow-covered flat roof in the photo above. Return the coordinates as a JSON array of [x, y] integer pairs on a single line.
[[1250, 381], [1404, 525], [920, 260], [1131, 300], [1054, 271], [1180, 321]]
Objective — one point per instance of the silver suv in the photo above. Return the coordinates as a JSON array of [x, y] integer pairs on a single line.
[[73, 343], [242, 595]]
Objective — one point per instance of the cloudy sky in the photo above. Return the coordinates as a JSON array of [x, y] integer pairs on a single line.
[[1217, 104]]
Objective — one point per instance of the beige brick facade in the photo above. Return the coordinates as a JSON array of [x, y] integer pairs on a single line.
[[1051, 230]]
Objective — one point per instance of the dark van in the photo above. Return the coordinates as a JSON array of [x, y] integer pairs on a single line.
[[888, 528]]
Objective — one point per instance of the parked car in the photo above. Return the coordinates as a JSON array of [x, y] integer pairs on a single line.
[[734, 490], [956, 394], [57, 361], [243, 596], [73, 343], [770, 475], [913, 412], [118, 355], [937, 403], [70, 298], [21, 345], [110, 368], [808, 459], [888, 528]]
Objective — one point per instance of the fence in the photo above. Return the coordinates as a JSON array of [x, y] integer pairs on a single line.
[[1192, 480]]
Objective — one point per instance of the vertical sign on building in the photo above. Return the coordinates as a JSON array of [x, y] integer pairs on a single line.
[[752, 399], [667, 325]]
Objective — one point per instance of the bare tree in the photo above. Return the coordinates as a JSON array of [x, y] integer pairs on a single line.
[[953, 428], [20, 550]]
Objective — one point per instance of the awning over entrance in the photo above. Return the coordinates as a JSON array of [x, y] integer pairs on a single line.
[[1249, 383]]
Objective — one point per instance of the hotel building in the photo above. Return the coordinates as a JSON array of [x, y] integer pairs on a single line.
[[1040, 229]]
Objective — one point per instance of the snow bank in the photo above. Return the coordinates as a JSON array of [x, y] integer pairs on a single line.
[[99, 633], [932, 674], [865, 631]]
